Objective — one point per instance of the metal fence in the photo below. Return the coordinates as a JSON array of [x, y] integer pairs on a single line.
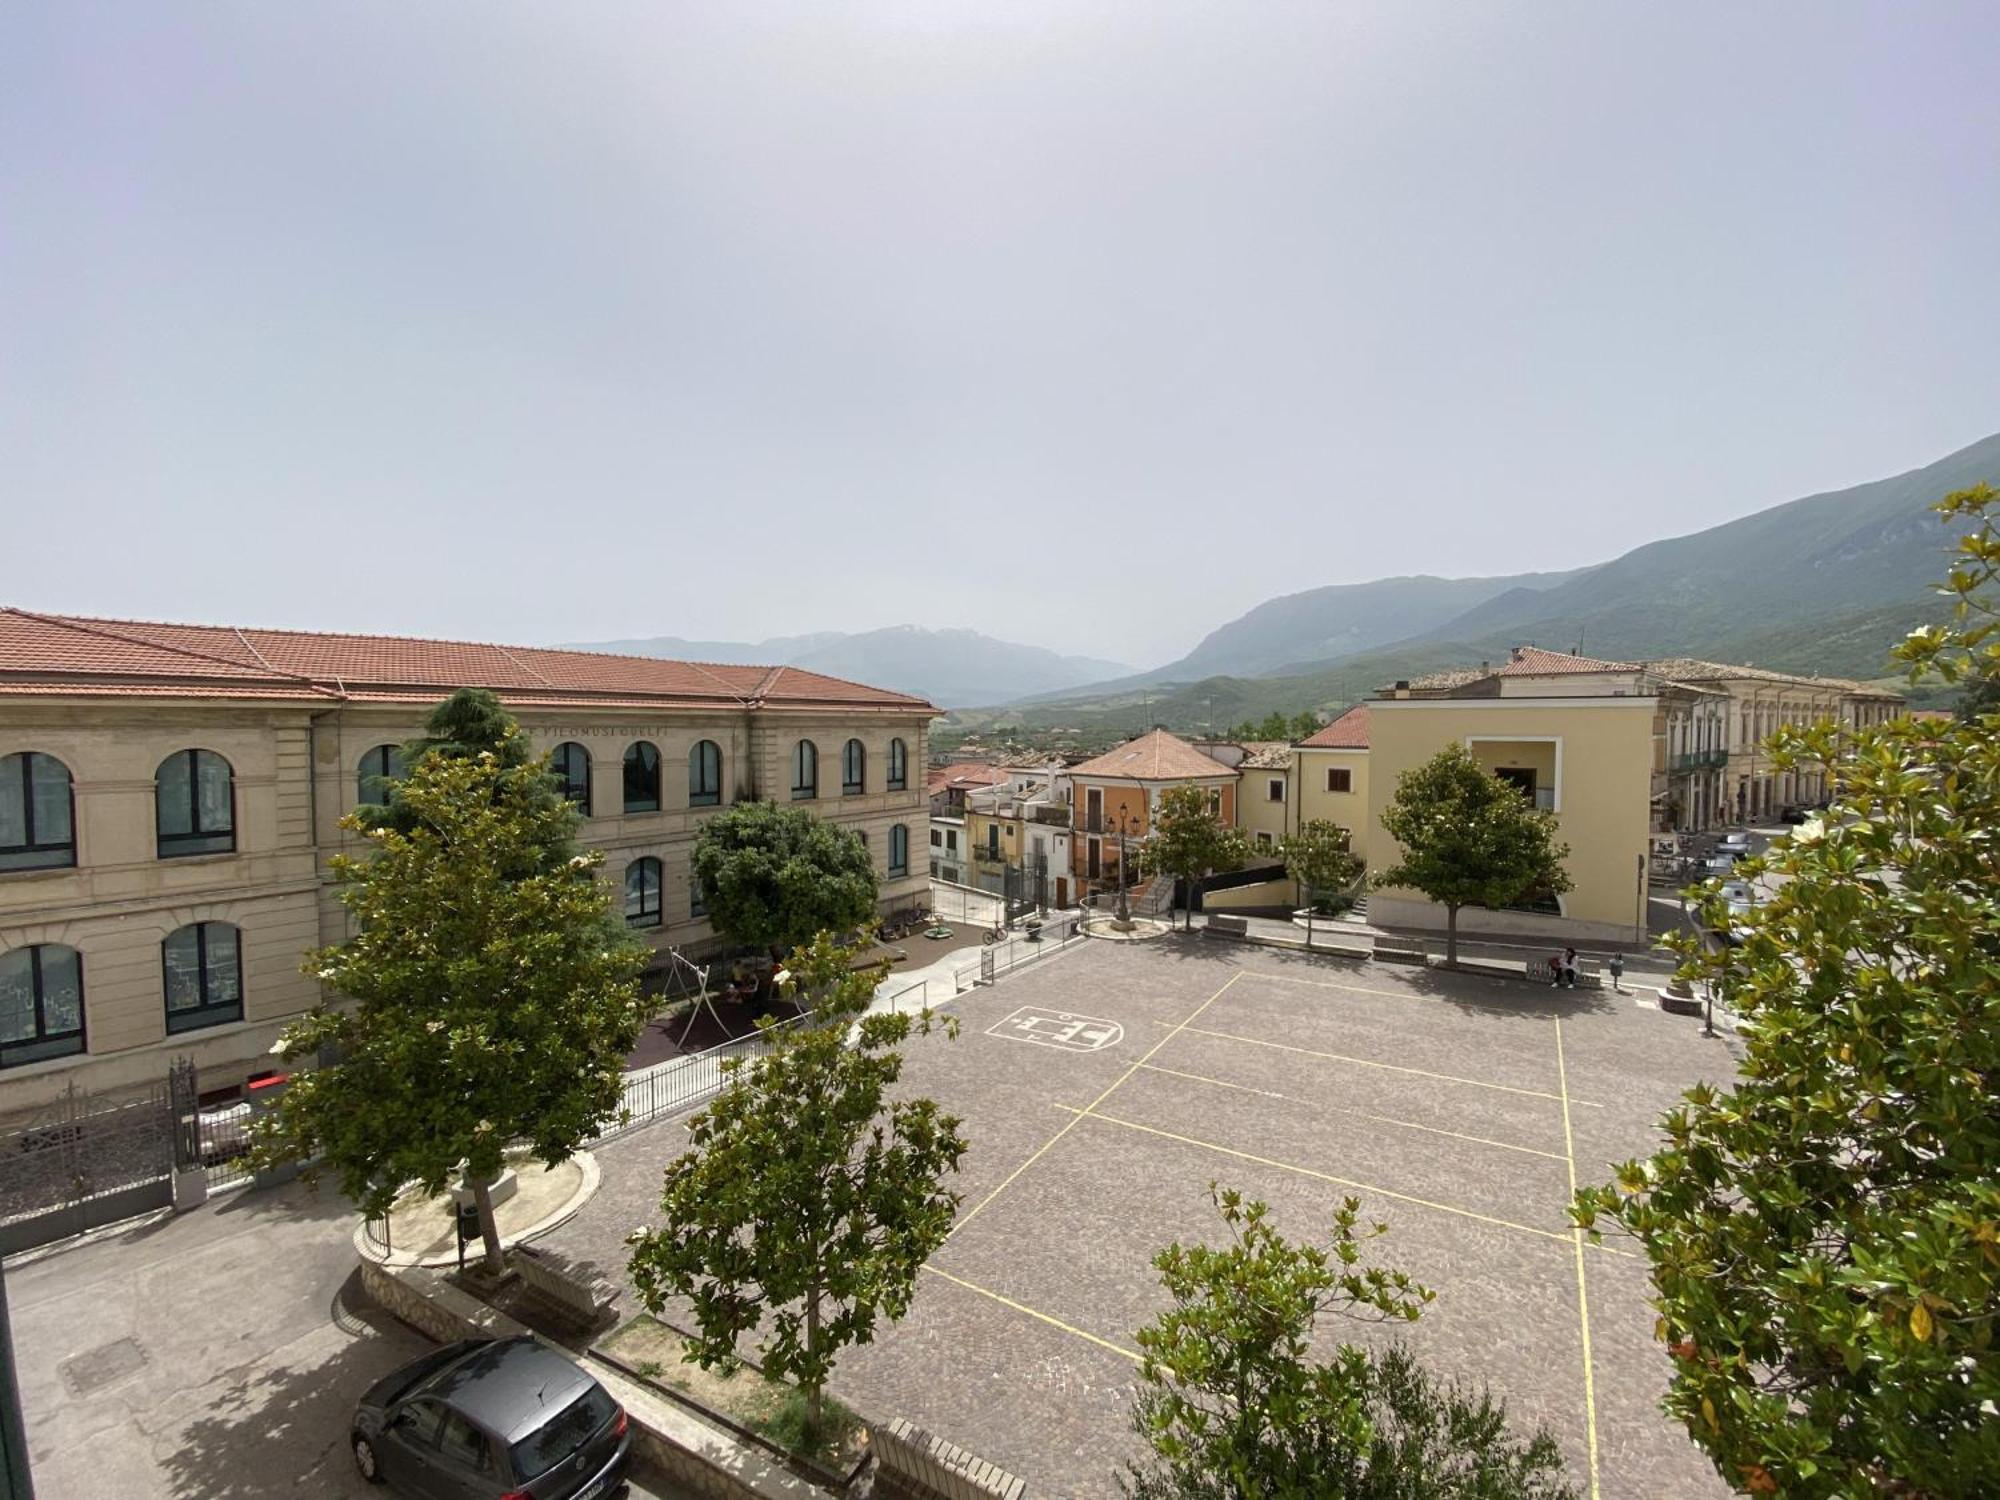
[[681, 1083], [82, 1161], [1058, 932]]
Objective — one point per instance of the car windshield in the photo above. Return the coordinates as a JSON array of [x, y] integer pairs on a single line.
[[563, 1434]]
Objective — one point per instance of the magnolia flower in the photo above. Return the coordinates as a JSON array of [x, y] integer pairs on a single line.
[[434, 1027]]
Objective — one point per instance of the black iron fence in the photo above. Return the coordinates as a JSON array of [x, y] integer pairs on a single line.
[[681, 1083], [83, 1161]]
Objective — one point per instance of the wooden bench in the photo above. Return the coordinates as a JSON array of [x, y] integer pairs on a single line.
[[913, 1465], [572, 1297], [1229, 927], [1401, 950]]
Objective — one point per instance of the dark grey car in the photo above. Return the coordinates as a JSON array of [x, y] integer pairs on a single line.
[[492, 1419]]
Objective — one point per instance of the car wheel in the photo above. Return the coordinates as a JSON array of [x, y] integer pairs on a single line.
[[365, 1460]]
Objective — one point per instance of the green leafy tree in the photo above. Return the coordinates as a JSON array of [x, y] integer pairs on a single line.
[[1304, 723], [1825, 1234], [1234, 1406], [1319, 858], [1189, 839], [773, 877], [467, 725], [809, 1198], [1469, 838], [494, 1001]]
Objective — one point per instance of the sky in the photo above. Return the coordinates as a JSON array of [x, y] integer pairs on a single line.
[[1085, 325]]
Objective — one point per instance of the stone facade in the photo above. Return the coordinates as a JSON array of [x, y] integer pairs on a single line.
[[291, 753]]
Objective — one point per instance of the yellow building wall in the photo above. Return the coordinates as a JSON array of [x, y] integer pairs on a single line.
[[1259, 814], [1596, 753], [1350, 808]]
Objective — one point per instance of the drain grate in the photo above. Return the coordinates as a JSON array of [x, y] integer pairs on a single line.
[[96, 1368]]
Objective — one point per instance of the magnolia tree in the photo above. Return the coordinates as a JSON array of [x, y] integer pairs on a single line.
[[1469, 838], [773, 877], [1319, 859], [809, 1198], [1234, 1403], [1189, 840], [1825, 1233], [493, 998]]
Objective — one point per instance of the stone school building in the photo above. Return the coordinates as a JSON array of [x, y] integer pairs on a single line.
[[170, 796]]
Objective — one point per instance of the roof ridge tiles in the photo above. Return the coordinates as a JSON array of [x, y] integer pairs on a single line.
[[89, 625]]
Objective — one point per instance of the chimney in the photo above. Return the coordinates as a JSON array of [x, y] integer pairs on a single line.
[[1402, 684]]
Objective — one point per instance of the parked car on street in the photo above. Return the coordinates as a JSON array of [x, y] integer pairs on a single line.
[[1721, 862], [1737, 844], [487, 1419]]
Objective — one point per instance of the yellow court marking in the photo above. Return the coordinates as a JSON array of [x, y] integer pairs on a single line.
[[1582, 1291], [1362, 1062], [974, 1212], [1340, 1109], [1347, 1182], [1039, 1316]]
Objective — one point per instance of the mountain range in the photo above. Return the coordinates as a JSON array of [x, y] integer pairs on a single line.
[[952, 668], [1825, 584], [1822, 585]]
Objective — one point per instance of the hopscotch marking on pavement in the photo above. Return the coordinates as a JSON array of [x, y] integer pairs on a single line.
[[1064, 1030]]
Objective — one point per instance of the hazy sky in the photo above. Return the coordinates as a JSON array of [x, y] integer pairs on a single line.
[[1079, 324]]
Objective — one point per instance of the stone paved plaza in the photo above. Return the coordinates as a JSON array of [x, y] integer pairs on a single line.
[[1104, 1089]]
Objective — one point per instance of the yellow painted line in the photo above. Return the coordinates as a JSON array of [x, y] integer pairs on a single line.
[[1037, 1314], [1363, 1062], [1286, 1166], [1339, 1109], [974, 1212], [1582, 1290]]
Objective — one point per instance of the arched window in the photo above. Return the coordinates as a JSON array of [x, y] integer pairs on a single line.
[[899, 766], [899, 850], [195, 804], [642, 778], [41, 1004], [37, 814], [379, 767], [805, 770], [642, 893], [705, 774], [204, 976], [853, 769], [569, 763]]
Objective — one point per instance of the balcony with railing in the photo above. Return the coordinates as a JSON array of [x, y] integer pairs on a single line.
[[1698, 760]]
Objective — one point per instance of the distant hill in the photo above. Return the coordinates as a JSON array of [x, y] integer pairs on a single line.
[[1717, 592], [950, 667], [1825, 584]]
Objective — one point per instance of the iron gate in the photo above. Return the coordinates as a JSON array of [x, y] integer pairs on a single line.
[[84, 1161]]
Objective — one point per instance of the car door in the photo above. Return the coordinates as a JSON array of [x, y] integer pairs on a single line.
[[409, 1456], [465, 1468]]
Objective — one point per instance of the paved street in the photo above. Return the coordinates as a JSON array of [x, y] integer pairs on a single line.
[[215, 1355]]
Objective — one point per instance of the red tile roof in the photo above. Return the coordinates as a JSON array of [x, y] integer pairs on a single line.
[[964, 776], [1158, 756], [1348, 732], [1533, 661], [73, 655]]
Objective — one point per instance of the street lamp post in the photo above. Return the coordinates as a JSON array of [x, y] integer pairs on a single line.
[[1125, 821]]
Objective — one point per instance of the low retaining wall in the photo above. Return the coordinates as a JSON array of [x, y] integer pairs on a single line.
[[694, 1455]]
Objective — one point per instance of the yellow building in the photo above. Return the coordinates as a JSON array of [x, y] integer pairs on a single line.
[[1331, 775], [1265, 796], [1578, 737]]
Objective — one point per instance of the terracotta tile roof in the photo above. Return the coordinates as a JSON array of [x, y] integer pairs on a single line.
[[1266, 755], [1533, 661], [77, 655], [965, 776], [1156, 756], [1348, 732], [1450, 678]]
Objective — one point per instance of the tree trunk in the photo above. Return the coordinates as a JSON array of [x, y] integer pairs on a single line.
[[1309, 921], [1451, 936], [814, 1395], [489, 1226]]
